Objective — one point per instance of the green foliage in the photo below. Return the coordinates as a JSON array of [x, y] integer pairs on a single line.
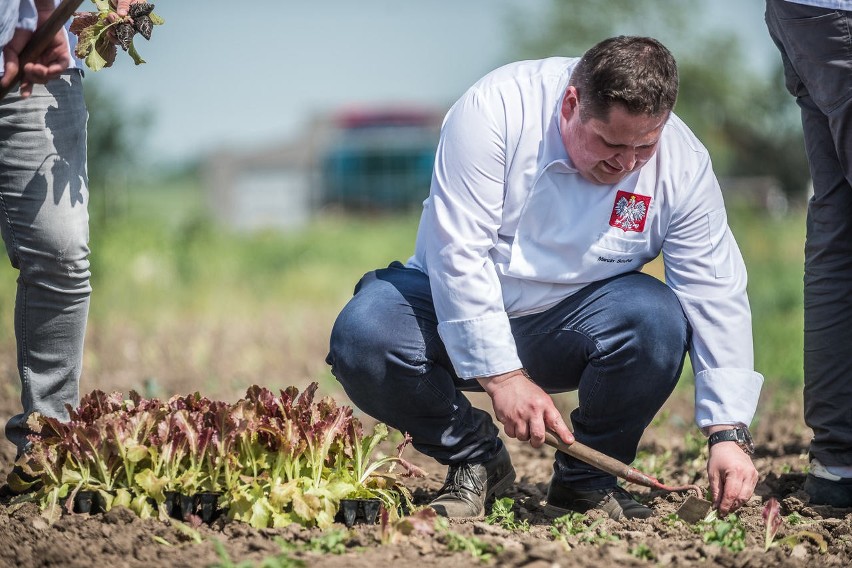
[[747, 120], [455, 542], [276, 460], [503, 515], [282, 560], [329, 542], [773, 250], [165, 260], [94, 30], [643, 552], [728, 532], [651, 463], [581, 528]]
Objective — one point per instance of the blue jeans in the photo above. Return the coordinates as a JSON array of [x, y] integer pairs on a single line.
[[44, 223], [816, 49], [620, 343]]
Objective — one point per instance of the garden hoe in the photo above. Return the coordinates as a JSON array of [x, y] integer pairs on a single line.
[[693, 509]]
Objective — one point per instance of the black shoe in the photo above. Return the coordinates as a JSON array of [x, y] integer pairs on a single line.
[[827, 492], [469, 486], [614, 501], [19, 482]]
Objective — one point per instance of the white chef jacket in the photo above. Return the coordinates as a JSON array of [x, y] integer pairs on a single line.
[[511, 228]]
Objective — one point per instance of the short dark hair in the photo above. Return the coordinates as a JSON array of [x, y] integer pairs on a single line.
[[637, 72]]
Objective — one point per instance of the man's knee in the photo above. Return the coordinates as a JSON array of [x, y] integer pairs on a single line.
[[659, 328], [59, 263]]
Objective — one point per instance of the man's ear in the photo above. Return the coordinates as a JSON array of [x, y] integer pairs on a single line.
[[570, 102]]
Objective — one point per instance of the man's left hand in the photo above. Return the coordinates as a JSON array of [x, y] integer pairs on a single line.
[[733, 477]]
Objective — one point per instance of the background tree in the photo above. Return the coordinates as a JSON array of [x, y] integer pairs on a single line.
[[745, 119]]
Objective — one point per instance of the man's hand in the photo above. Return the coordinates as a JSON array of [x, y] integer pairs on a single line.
[[524, 409], [46, 66], [733, 477], [123, 6]]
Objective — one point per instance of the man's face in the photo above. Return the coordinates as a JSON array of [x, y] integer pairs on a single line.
[[605, 152]]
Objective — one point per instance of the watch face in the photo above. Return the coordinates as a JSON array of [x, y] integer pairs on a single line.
[[744, 440], [739, 435]]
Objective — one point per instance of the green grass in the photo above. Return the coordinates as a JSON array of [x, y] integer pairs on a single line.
[[157, 258], [773, 250], [166, 257]]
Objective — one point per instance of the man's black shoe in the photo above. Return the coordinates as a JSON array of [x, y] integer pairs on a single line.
[[469, 486], [827, 492], [19, 482], [614, 501]]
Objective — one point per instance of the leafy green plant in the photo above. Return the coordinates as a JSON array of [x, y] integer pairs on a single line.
[[95, 32], [455, 542], [728, 532], [643, 551], [579, 525], [652, 463], [672, 520], [502, 515], [276, 459], [282, 560]]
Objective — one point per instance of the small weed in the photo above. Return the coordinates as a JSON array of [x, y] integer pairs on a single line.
[[478, 549], [728, 532], [643, 552], [574, 524], [280, 561], [672, 520], [332, 542], [503, 516]]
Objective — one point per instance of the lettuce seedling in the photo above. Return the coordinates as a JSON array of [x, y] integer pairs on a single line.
[[773, 521]]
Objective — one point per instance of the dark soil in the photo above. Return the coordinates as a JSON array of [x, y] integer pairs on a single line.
[[120, 539]]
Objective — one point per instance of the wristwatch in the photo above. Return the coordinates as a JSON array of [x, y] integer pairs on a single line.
[[740, 435]]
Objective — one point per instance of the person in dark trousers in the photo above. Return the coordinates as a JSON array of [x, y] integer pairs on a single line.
[[555, 182], [814, 39]]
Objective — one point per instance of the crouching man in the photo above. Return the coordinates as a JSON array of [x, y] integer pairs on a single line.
[[555, 181]]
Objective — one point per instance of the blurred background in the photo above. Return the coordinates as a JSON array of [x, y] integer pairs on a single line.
[[270, 153]]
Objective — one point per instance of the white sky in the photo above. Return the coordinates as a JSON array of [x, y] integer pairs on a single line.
[[237, 74]]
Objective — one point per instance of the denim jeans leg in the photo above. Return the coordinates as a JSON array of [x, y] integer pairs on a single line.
[[44, 222], [621, 343], [386, 352]]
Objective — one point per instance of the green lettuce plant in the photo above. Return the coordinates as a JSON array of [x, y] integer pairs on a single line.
[[275, 459]]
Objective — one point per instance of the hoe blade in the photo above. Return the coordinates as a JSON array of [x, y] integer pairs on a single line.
[[694, 509]]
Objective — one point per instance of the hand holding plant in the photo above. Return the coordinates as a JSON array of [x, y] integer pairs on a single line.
[[99, 32]]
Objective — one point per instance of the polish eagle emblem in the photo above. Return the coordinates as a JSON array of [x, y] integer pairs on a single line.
[[629, 211]]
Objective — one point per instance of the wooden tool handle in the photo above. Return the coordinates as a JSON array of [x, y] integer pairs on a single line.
[[42, 37], [589, 456]]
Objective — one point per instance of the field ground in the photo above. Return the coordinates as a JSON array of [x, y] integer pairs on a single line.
[[669, 451], [180, 305]]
